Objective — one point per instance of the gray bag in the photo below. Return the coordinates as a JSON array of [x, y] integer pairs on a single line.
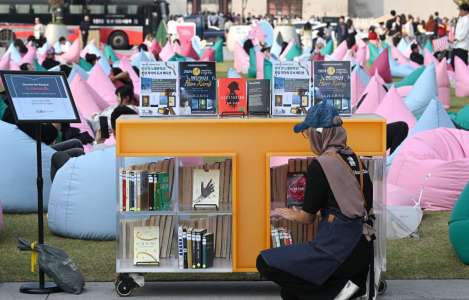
[[57, 265]]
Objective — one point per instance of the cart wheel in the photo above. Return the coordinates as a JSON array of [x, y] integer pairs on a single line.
[[124, 288], [382, 287]]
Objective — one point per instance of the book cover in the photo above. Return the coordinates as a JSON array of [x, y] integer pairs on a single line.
[[151, 191], [232, 99], [159, 94], [258, 93], [146, 245], [198, 88], [332, 83], [296, 187], [163, 180], [205, 187], [291, 88], [198, 247]]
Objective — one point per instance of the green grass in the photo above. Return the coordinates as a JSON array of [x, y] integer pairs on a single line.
[[431, 256]]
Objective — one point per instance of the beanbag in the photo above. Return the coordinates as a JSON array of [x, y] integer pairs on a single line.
[[461, 118], [381, 64], [260, 65], [372, 97], [178, 57], [139, 58], [105, 65], [364, 77], [85, 98], [73, 53], [328, 49], [109, 53], [18, 192], [91, 48], [459, 226], [403, 46], [1, 218], [393, 109], [218, 47], [241, 59], [340, 51], [5, 62], [15, 55], [425, 89], [404, 91], [102, 85], [361, 55], [428, 46], [462, 78], [76, 69], [208, 55], [442, 80], [268, 69], [358, 87], [397, 55], [83, 196], [293, 52], [411, 78], [85, 65], [374, 53], [252, 70], [443, 155], [400, 70], [125, 65], [188, 51], [29, 57]]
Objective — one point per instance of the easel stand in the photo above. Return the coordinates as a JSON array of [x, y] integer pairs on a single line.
[[41, 287]]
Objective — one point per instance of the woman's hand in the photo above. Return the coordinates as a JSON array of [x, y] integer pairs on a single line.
[[294, 214]]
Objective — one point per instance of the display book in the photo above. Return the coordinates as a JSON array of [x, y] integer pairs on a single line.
[[288, 185], [152, 241]]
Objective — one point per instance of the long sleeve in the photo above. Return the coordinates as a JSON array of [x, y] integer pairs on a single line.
[[462, 29]]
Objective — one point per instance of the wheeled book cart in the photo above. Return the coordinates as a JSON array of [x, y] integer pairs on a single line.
[[250, 144]]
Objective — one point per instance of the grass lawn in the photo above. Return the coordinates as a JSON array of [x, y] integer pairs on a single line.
[[431, 256]]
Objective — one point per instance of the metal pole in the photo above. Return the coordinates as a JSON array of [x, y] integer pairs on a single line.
[[40, 197]]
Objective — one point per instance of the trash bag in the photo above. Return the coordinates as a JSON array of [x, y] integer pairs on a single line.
[[57, 265]]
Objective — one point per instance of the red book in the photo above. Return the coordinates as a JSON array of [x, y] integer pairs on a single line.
[[232, 99]]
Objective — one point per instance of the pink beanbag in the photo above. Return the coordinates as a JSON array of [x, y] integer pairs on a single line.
[[5, 62], [357, 87], [340, 51], [259, 65], [102, 85], [393, 109], [373, 95], [85, 101], [125, 65], [398, 196], [241, 59], [29, 57], [73, 54], [381, 64], [462, 78], [404, 91], [167, 52], [208, 55], [443, 155], [442, 79]]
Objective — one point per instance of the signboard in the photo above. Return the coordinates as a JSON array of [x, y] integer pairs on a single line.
[[159, 94], [332, 84], [40, 97], [198, 87], [291, 85]]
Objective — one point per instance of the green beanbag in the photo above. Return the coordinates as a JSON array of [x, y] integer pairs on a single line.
[[328, 49], [218, 47], [109, 53], [252, 70], [178, 57], [374, 52], [411, 78], [295, 51], [459, 226], [461, 118], [85, 65], [267, 69]]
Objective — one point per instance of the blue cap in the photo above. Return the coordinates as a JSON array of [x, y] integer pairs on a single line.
[[319, 116]]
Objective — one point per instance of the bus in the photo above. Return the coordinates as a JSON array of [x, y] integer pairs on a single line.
[[120, 23]]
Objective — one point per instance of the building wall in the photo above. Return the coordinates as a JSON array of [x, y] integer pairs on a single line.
[[365, 8], [421, 8], [255, 7], [325, 8]]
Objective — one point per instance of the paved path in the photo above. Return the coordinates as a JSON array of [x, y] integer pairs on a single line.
[[397, 290]]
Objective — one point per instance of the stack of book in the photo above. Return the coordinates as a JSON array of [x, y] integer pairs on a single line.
[[299, 233], [166, 242], [146, 187], [202, 240], [280, 237], [187, 180]]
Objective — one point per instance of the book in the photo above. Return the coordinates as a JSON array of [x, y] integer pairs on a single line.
[[232, 98], [205, 187], [198, 87], [184, 247], [159, 85], [291, 86], [146, 245], [258, 94], [207, 250], [332, 83], [163, 185], [296, 187], [189, 246], [198, 247], [180, 248]]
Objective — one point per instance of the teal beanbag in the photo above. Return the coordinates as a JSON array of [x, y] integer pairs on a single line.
[[459, 226], [328, 49], [252, 70], [267, 69], [295, 51], [218, 47], [374, 52], [109, 53], [461, 118], [411, 78], [85, 65]]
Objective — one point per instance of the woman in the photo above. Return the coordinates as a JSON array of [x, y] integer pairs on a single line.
[[338, 187]]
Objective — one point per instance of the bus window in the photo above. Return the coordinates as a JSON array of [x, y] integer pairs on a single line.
[[22, 8], [76, 9], [41, 8], [122, 9], [4, 9], [96, 9]]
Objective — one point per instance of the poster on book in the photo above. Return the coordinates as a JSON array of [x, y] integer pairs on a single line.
[[159, 94], [331, 83], [198, 88], [232, 99], [291, 88], [258, 93], [146, 245], [205, 188]]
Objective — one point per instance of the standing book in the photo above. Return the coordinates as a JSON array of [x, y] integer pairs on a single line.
[[146, 245], [232, 98], [198, 88], [291, 86], [159, 94], [258, 93], [296, 187], [206, 188]]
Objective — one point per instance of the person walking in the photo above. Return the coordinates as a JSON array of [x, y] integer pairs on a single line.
[[39, 29], [84, 29], [341, 31], [461, 36]]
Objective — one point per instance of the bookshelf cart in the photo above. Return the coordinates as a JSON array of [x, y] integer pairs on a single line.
[[251, 144]]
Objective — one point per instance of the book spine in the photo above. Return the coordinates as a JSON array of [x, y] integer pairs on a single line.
[[156, 197], [189, 248], [210, 248], [184, 236], [138, 183], [194, 250], [199, 250], [121, 191], [204, 252], [164, 191], [150, 192], [180, 248], [131, 192]]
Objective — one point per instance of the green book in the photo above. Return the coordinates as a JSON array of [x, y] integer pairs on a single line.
[[156, 190], [163, 184]]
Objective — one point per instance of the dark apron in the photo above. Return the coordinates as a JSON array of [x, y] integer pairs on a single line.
[[317, 260]]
